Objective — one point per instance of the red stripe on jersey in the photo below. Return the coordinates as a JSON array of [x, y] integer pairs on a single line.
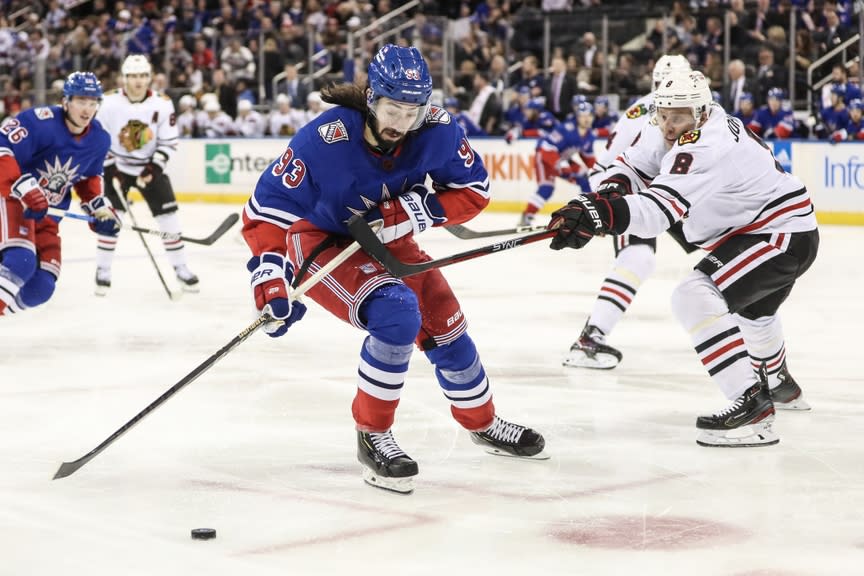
[[731, 271], [758, 224]]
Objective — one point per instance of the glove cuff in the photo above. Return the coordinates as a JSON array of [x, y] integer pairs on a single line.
[[95, 204], [423, 208], [24, 184]]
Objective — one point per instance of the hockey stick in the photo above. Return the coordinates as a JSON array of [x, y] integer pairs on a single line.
[[121, 196], [218, 233], [69, 468], [466, 233], [367, 238]]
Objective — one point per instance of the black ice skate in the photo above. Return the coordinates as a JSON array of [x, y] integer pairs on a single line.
[[385, 465], [506, 439], [188, 280], [787, 395], [103, 281], [591, 351], [746, 422]]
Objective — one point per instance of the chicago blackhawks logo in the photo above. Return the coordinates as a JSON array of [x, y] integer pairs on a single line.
[[636, 111], [135, 135], [689, 137]]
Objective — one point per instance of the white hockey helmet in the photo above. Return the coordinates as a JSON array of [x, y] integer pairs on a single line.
[[667, 64], [684, 89], [188, 101], [136, 64]]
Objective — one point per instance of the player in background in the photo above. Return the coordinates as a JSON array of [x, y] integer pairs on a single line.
[[249, 122], [774, 120], [604, 120], [451, 104], [566, 151], [45, 153], [635, 257], [854, 130], [187, 125], [833, 119], [533, 122], [755, 221], [746, 111], [284, 120], [143, 129], [370, 155]]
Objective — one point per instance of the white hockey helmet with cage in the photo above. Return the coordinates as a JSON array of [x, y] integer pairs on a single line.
[[667, 64], [684, 89], [135, 64]]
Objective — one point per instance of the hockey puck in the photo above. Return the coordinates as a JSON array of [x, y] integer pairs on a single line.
[[203, 533]]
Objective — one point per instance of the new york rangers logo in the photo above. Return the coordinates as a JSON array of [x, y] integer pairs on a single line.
[[333, 132], [437, 115], [43, 113]]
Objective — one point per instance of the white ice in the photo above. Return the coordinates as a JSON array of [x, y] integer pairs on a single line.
[[262, 447]]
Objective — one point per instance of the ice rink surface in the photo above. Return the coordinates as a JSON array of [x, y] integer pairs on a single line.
[[262, 446]]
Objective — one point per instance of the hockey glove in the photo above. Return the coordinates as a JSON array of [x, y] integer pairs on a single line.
[[150, 172], [413, 212], [580, 220], [614, 187], [27, 191], [105, 221], [271, 285]]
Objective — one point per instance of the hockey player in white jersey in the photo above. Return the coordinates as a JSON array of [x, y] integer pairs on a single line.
[[187, 125], [757, 224], [634, 257], [143, 128], [249, 123], [285, 120]]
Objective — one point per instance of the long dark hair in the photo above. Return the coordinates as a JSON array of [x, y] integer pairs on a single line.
[[349, 95]]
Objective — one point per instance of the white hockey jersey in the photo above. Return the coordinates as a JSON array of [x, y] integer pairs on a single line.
[[628, 127], [187, 124], [286, 123], [251, 125], [141, 132], [721, 179], [218, 126]]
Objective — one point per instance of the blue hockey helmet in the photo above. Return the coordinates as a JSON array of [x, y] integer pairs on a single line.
[[602, 101], [451, 102], [856, 104], [82, 84], [777, 93], [745, 97], [585, 108], [400, 74], [538, 103], [577, 100]]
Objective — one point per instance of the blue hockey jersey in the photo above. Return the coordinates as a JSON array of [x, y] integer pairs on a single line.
[[328, 173], [44, 148]]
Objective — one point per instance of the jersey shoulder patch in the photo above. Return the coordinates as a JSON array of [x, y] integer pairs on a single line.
[[437, 115], [636, 111], [333, 132], [43, 113], [689, 137]]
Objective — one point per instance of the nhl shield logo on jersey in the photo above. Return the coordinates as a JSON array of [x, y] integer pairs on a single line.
[[44, 113], [437, 115], [135, 135], [689, 137], [636, 111], [333, 132]]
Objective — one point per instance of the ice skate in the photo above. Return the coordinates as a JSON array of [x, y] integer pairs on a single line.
[[188, 280], [103, 281], [591, 351], [745, 423], [527, 219], [787, 395], [385, 465], [505, 439]]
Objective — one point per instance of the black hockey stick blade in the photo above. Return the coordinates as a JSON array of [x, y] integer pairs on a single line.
[[466, 233], [69, 468], [220, 231], [366, 237]]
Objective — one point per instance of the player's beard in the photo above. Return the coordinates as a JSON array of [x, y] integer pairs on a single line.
[[385, 141]]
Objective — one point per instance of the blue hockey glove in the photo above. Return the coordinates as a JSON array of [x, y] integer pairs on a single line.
[[105, 219], [412, 213], [271, 285], [27, 191]]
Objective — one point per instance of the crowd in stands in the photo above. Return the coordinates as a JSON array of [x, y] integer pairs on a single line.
[[245, 68]]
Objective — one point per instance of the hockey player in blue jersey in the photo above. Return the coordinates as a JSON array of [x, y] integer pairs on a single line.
[[371, 155], [45, 152]]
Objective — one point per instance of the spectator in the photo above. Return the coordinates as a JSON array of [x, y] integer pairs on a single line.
[[769, 75], [560, 89], [237, 61], [293, 86], [485, 109], [739, 85]]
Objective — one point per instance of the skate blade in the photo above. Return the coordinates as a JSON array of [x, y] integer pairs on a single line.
[[751, 436], [190, 289], [500, 452], [798, 404], [600, 361], [101, 291], [398, 485]]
